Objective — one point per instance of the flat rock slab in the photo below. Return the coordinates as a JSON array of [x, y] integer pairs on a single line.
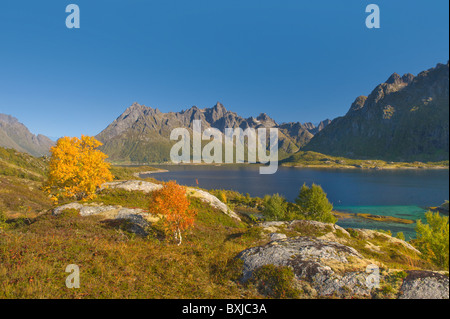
[[133, 185]]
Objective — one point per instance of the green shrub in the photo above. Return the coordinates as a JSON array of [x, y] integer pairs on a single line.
[[433, 239], [352, 232], [275, 281], [400, 235], [313, 203], [275, 207], [253, 218]]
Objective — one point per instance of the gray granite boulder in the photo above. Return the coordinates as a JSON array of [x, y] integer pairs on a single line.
[[327, 266]]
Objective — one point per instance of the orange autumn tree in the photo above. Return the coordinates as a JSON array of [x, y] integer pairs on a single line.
[[77, 168], [172, 203]]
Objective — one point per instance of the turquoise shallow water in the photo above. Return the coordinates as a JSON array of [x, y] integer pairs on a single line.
[[405, 212]]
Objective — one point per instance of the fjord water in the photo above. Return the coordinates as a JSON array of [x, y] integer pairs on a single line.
[[400, 193]]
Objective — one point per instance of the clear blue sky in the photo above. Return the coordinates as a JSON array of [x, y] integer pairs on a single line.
[[295, 60]]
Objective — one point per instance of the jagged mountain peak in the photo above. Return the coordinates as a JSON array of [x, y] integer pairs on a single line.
[[215, 113], [266, 120], [394, 78], [136, 107], [219, 107]]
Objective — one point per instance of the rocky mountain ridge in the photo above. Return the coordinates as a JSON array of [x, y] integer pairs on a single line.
[[14, 134], [403, 119], [141, 134]]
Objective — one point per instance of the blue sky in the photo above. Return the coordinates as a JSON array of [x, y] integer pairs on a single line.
[[294, 60]]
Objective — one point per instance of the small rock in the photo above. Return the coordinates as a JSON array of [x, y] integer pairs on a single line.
[[275, 236]]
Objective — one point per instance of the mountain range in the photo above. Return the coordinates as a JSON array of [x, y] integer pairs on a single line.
[[14, 134], [142, 134], [405, 118]]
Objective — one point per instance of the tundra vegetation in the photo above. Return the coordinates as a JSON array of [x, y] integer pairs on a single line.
[[36, 246]]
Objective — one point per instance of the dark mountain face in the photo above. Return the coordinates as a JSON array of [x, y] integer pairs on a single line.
[[406, 118], [14, 134], [141, 134]]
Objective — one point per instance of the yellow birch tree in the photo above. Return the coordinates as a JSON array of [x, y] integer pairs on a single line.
[[77, 168]]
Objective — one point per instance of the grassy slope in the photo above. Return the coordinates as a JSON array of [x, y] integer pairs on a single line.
[[21, 177], [116, 264]]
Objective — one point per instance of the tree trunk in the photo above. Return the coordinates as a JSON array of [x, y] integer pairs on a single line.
[[179, 237]]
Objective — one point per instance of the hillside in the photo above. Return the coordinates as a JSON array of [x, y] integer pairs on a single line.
[[404, 119], [21, 178], [14, 134], [141, 133]]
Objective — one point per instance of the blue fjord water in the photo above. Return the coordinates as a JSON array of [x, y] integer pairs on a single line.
[[401, 193]]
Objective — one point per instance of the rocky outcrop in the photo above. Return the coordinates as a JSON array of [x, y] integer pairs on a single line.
[[147, 187], [138, 218], [327, 257], [371, 234], [328, 267], [335, 233], [424, 285], [306, 228], [213, 201]]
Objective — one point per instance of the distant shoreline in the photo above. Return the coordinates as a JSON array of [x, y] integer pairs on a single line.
[[378, 168], [312, 166], [138, 174]]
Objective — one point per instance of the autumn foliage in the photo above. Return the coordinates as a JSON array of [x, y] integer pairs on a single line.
[[77, 168], [172, 203]]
